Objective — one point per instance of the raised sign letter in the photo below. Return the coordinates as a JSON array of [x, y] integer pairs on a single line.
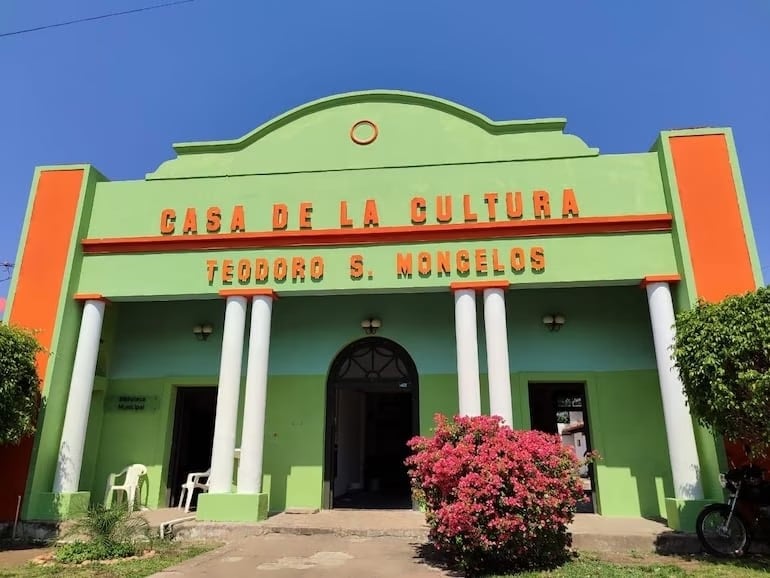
[[167, 219]]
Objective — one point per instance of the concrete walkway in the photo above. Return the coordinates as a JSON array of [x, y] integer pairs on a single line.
[[367, 523], [374, 543], [589, 531], [320, 555]]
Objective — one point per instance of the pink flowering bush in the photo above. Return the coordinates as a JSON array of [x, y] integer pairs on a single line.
[[495, 499]]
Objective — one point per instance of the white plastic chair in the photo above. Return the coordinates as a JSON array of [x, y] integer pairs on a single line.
[[196, 480], [133, 477]]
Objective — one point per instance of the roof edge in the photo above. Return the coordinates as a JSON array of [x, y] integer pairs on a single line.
[[395, 96]]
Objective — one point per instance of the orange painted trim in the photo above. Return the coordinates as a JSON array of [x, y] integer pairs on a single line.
[[673, 278], [713, 223], [90, 297], [44, 259], [364, 141], [479, 285], [248, 293], [381, 235], [41, 271], [719, 251]]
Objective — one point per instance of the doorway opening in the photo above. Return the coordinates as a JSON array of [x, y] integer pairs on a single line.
[[560, 408], [372, 410], [192, 439]]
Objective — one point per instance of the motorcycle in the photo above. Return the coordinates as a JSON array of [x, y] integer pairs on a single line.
[[727, 530]]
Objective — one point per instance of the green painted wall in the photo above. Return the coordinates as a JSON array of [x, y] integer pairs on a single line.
[[626, 424], [570, 260], [294, 441], [419, 130], [135, 437], [467, 155], [625, 415], [155, 339], [604, 186], [634, 474], [607, 329], [438, 394]]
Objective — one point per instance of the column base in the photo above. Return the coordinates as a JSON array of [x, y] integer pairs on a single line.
[[682, 514], [232, 507], [50, 506]]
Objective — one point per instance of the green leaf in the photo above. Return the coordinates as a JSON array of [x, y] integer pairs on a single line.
[[722, 351], [19, 383]]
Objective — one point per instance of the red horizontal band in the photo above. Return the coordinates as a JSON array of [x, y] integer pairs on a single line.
[[479, 285], [381, 235], [673, 278], [248, 292]]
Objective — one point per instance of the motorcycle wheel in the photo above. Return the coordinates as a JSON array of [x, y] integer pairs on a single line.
[[717, 537]]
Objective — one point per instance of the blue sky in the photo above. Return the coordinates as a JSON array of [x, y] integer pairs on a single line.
[[117, 92]]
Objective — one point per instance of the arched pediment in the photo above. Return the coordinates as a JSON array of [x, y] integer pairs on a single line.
[[336, 133]]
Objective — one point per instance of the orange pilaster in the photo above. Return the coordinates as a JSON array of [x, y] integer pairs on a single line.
[[41, 272], [715, 231]]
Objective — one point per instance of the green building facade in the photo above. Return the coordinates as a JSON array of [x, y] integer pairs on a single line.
[[289, 307]]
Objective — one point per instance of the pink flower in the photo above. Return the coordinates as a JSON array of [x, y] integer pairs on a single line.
[[491, 491]]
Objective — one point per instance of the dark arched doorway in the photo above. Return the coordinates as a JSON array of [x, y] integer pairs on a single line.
[[372, 409]]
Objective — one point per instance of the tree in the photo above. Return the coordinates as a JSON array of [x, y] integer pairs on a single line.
[[722, 351], [19, 383]]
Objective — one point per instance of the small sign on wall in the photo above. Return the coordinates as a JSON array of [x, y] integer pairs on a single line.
[[132, 403]]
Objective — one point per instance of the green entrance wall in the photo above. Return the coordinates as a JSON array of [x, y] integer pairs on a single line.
[[294, 441], [606, 344], [633, 475]]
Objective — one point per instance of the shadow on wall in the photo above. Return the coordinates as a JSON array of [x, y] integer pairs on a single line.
[[606, 329], [155, 338]]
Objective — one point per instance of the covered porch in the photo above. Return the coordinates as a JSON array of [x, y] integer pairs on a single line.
[[476, 349]]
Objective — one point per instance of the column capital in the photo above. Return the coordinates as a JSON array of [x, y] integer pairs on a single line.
[[264, 291], [479, 285], [650, 279], [90, 297]]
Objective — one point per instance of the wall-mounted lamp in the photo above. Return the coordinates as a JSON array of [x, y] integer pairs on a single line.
[[554, 321], [202, 331], [371, 325]]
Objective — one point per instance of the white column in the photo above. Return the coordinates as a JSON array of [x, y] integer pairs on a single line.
[[222, 455], [467, 352], [498, 370], [253, 432], [682, 450], [73, 437]]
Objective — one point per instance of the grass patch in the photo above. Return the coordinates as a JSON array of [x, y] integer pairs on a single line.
[[168, 554], [644, 566]]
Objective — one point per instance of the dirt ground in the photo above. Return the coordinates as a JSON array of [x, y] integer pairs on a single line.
[[16, 554]]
